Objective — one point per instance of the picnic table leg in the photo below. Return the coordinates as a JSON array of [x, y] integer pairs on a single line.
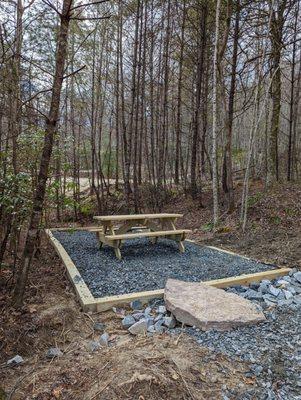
[[117, 250], [181, 247], [153, 227], [170, 224], [116, 244]]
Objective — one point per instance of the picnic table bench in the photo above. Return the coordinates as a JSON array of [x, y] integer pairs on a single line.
[[152, 226]]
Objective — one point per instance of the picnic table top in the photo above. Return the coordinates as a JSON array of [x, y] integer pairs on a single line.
[[135, 217]]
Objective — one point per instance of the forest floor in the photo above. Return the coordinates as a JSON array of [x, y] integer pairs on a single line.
[[142, 368]]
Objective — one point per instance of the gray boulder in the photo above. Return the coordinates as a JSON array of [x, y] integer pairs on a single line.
[[207, 307]]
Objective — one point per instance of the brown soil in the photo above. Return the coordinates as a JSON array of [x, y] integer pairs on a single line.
[[141, 368]]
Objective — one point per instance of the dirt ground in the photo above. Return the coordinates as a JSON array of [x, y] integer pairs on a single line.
[[161, 367]]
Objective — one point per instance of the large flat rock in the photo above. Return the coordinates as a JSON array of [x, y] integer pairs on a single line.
[[206, 307]]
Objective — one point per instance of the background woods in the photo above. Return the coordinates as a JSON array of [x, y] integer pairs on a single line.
[[142, 101]]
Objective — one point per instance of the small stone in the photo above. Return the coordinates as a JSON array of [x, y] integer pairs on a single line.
[[136, 305], [288, 278], [297, 276], [158, 317], [269, 297], [15, 360], [159, 326], [149, 321], [104, 339], [239, 288], [291, 289], [282, 283], [138, 316], [151, 329], [93, 345], [139, 327], [257, 370], [282, 303], [264, 286], [254, 285], [274, 291], [270, 303], [99, 326], [297, 290], [288, 295], [297, 299], [162, 310], [170, 322], [253, 295], [147, 311], [53, 352], [128, 321]]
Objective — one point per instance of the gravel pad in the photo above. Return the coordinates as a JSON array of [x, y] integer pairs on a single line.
[[146, 266]]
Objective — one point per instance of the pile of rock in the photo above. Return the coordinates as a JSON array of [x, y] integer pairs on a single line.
[[152, 319], [155, 318], [283, 291]]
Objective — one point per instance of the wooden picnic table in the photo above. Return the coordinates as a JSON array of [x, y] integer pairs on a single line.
[[149, 225]]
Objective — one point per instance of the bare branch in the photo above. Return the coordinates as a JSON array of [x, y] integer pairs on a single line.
[[74, 72], [35, 95], [91, 18], [52, 6], [89, 4]]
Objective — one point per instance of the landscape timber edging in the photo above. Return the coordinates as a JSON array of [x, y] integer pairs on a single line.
[[90, 303], [82, 291]]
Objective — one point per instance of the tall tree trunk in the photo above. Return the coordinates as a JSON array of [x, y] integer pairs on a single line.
[[164, 132], [50, 128], [276, 31], [199, 80], [214, 118], [227, 162], [292, 97], [179, 99]]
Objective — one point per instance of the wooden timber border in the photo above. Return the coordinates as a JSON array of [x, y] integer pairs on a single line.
[[89, 303]]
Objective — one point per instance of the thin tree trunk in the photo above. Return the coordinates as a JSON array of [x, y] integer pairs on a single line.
[[227, 163], [199, 80], [214, 118]]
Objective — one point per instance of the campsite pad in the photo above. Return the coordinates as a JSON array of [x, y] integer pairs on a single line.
[[147, 266]]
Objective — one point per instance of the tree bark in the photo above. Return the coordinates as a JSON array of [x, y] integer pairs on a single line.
[[50, 128], [214, 118]]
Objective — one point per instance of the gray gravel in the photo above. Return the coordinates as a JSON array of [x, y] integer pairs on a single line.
[[145, 266], [272, 348]]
